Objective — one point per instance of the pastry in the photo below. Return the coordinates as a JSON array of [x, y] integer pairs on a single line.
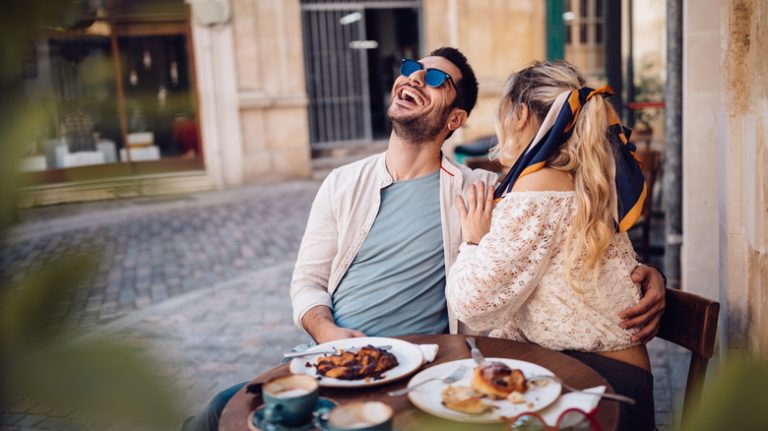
[[497, 380], [465, 400]]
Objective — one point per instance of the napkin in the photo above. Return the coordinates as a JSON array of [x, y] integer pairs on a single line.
[[572, 400], [429, 351]]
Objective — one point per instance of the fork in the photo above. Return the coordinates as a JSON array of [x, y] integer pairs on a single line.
[[454, 377], [615, 397]]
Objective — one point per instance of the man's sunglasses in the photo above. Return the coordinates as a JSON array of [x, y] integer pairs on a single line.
[[433, 77]]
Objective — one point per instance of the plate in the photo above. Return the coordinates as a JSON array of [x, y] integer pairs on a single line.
[[428, 397], [409, 358]]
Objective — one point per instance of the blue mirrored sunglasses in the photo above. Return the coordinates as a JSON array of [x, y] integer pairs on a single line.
[[433, 77]]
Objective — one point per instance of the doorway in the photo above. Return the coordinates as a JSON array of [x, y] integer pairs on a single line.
[[352, 56]]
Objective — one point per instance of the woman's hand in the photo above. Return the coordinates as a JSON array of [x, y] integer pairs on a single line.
[[476, 212]]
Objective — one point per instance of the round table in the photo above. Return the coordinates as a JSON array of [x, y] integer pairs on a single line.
[[452, 347]]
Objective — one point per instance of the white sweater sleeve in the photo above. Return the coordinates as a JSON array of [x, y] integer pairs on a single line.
[[491, 280]]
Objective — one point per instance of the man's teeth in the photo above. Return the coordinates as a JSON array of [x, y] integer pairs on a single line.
[[411, 96]]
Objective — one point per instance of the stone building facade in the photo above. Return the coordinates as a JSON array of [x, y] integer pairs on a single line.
[[725, 165], [254, 104]]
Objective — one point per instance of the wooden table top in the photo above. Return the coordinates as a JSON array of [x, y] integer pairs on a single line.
[[452, 347]]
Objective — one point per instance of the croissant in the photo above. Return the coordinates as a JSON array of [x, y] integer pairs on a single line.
[[497, 380]]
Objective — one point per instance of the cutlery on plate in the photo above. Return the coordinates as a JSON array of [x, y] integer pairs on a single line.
[[454, 377], [328, 351], [615, 397], [475, 352]]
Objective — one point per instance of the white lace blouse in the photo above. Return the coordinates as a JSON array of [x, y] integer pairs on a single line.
[[513, 283]]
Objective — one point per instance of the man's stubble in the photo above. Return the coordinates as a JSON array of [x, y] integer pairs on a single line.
[[418, 128]]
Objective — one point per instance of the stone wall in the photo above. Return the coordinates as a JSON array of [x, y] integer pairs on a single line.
[[271, 91], [726, 165], [746, 231], [498, 37]]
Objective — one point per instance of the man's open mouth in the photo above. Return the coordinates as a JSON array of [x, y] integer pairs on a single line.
[[411, 96]]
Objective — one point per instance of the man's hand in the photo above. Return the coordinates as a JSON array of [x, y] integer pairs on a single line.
[[646, 314], [476, 212], [319, 323]]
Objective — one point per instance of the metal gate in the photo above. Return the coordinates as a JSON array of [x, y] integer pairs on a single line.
[[336, 68]]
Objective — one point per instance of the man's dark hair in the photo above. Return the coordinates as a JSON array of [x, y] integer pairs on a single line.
[[466, 88]]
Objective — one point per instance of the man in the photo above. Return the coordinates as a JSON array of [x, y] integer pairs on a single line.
[[383, 231]]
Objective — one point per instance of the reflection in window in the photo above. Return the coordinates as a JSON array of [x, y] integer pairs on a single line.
[[118, 93], [158, 99]]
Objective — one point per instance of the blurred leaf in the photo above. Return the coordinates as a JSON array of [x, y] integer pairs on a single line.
[[735, 400], [101, 382], [31, 312]]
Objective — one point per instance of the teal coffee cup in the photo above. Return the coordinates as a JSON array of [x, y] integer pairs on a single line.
[[360, 416], [290, 400]]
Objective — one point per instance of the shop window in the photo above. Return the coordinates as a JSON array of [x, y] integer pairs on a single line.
[[119, 94]]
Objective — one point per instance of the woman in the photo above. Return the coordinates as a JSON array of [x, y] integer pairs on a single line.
[[552, 265]]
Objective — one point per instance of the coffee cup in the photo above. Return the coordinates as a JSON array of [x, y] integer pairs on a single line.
[[290, 400], [360, 416]]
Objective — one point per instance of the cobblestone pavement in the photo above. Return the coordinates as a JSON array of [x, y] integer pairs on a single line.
[[203, 281], [153, 249]]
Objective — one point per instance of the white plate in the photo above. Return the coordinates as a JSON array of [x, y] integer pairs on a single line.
[[409, 358], [428, 397]]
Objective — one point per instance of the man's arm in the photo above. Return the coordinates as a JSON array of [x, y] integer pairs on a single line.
[[309, 285], [646, 314], [319, 324]]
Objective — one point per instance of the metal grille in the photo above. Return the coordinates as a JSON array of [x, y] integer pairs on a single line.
[[337, 70], [337, 81]]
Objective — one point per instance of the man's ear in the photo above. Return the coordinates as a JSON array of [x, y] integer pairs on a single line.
[[456, 119]]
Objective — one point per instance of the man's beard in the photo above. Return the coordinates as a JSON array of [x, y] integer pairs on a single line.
[[418, 128]]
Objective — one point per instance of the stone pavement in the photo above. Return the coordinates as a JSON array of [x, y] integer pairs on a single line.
[[203, 281], [153, 249]]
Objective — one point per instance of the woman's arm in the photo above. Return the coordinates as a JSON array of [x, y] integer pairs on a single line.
[[490, 280]]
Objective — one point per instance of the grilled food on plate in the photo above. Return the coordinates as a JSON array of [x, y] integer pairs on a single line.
[[368, 362]]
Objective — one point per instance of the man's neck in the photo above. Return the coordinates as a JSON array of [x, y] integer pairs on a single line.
[[407, 160]]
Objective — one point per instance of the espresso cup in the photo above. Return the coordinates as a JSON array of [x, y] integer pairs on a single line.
[[290, 400], [360, 416]]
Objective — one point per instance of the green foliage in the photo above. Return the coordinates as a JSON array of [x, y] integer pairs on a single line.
[[102, 381], [735, 400], [649, 87]]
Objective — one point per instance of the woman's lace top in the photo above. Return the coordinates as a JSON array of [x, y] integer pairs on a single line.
[[514, 283]]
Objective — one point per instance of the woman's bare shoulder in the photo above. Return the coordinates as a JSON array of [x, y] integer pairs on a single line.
[[545, 180]]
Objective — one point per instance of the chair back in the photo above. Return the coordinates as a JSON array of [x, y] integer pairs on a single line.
[[690, 321]]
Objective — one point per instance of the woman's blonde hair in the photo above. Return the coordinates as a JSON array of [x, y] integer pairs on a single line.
[[587, 156]]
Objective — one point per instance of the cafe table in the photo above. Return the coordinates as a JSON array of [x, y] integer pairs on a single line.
[[451, 347]]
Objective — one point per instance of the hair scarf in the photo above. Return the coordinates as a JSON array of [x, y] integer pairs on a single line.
[[555, 130]]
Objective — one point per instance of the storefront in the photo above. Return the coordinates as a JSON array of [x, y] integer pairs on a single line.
[[119, 92]]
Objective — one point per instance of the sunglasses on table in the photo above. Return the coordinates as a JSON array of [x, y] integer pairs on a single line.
[[432, 77], [569, 420]]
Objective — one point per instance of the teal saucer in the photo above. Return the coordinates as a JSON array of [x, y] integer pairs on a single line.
[[323, 406]]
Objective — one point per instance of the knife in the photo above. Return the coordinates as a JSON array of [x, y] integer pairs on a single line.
[[475, 352], [328, 351]]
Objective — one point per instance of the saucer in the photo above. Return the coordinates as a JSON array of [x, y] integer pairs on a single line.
[[256, 421]]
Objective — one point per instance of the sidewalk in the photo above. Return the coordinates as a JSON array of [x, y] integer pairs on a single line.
[[203, 280]]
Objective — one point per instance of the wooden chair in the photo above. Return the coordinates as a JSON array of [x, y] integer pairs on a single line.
[[651, 160], [690, 321]]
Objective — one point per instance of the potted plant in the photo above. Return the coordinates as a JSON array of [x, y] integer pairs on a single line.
[[649, 87]]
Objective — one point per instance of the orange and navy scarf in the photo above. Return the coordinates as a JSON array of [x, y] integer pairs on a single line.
[[555, 130]]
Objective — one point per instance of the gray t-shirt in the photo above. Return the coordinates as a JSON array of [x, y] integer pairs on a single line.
[[396, 284]]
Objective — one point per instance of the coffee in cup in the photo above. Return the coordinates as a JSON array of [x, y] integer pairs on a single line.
[[360, 416], [290, 400]]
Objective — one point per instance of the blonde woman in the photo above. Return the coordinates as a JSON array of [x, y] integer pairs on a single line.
[[552, 264]]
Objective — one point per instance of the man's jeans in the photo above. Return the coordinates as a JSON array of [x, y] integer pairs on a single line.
[[208, 419]]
